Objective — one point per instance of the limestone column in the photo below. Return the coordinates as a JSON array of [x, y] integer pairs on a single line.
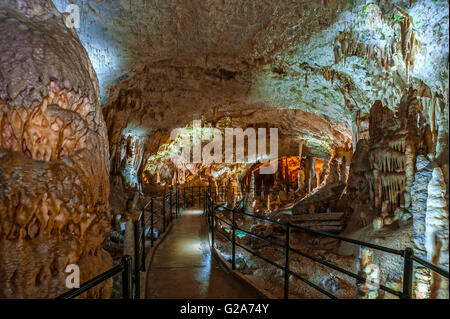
[[355, 127], [437, 232]]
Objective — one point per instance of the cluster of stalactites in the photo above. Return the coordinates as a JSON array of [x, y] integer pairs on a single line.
[[387, 157], [348, 43], [390, 159], [61, 124]]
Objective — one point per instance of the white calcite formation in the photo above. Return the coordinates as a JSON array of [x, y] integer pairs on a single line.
[[436, 231], [419, 195]]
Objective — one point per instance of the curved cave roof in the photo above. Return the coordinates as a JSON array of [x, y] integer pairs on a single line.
[[333, 59]]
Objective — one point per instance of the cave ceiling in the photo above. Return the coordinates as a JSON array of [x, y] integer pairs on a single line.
[[328, 58]]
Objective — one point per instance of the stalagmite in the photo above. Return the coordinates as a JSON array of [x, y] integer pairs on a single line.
[[437, 232], [299, 174], [370, 272]]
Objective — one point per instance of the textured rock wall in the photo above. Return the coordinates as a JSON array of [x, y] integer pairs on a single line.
[[403, 179], [53, 156], [437, 236]]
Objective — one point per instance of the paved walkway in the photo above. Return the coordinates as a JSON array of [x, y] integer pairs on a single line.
[[183, 267]]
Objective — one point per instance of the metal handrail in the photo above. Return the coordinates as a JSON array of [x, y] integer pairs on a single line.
[[407, 254], [434, 268], [142, 223], [275, 243], [124, 267], [223, 220], [346, 272], [350, 240], [130, 274], [262, 257]]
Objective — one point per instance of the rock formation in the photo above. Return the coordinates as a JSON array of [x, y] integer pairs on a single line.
[[54, 164]]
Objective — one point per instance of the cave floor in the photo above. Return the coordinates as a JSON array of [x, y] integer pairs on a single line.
[[184, 268]]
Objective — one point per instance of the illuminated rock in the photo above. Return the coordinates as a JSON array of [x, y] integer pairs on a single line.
[[54, 166]]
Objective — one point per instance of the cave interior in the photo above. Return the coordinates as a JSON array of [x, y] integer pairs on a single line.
[[330, 115]]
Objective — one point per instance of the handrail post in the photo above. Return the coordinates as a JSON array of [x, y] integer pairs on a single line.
[[192, 196], [177, 202], [233, 242], [184, 197], [225, 199], [137, 261], [127, 281], [171, 206], [212, 223], [164, 213], [151, 222], [286, 261], [209, 213], [199, 195], [207, 210], [143, 240], [407, 273]]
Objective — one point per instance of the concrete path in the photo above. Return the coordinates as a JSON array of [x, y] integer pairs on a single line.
[[183, 267]]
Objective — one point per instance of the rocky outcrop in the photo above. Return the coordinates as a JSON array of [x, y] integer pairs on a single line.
[[419, 195], [54, 166]]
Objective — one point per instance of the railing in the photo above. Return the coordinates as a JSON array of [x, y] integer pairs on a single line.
[[141, 224], [194, 195], [209, 198], [125, 267], [130, 274], [210, 208]]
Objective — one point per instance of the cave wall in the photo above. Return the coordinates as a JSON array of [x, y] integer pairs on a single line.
[[54, 166], [397, 178]]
